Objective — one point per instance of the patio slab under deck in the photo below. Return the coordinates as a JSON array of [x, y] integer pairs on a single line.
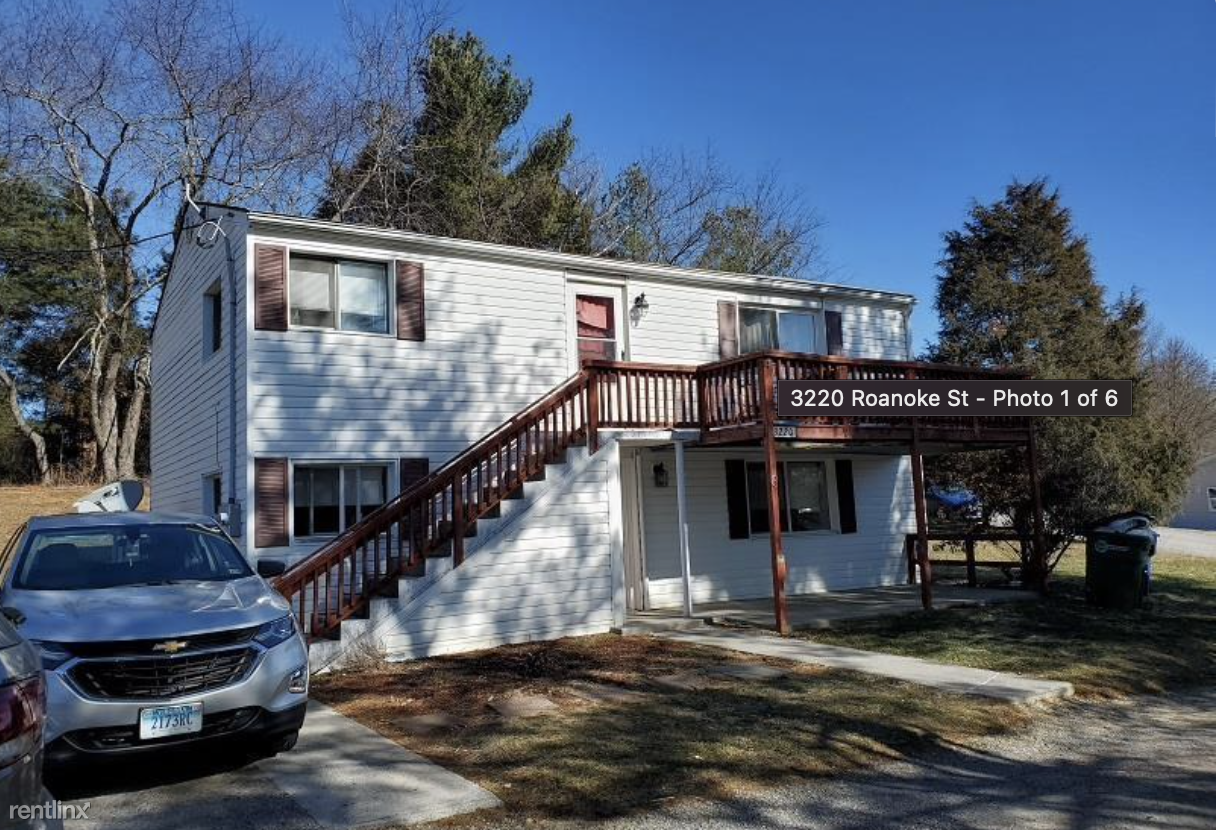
[[823, 610]]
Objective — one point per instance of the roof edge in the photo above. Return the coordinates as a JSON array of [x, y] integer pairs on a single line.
[[583, 263]]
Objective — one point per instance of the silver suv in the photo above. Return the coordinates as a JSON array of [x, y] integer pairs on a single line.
[[154, 631]]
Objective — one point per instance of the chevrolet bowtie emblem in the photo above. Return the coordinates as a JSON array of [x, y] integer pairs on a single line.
[[170, 646]]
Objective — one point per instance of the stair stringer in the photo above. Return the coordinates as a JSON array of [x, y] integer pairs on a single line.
[[543, 570]]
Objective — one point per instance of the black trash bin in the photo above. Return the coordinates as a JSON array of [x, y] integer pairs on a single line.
[[1118, 560]]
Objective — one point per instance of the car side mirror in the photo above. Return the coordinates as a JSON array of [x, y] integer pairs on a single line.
[[13, 615], [271, 567]]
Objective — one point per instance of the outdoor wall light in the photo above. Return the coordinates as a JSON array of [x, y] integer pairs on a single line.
[[660, 474], [639, 309]]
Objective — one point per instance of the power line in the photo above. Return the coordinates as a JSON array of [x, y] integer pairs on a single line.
[[52, 252]]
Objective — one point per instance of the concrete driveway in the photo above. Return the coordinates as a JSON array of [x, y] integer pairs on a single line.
[[1187, 542], [340, 775]]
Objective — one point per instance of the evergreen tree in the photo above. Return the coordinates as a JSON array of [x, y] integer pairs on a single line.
[[41, 295], [459, 171], [1017, 289]]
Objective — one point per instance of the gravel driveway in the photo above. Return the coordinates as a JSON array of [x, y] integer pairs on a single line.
[[1146, 763]]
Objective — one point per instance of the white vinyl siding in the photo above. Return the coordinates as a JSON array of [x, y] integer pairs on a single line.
[[543, 572], [496, 341], [190, 391], [682, 324], [725, 569]]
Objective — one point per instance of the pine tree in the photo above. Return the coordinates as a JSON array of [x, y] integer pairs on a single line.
[[1017, 288], [459, 171]]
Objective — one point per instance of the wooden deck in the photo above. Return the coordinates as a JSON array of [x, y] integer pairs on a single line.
[[729, 404]]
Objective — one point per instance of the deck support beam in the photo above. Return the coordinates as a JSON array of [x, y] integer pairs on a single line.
[[922, 544], [778, 561], [1040, 556], [683, 529]]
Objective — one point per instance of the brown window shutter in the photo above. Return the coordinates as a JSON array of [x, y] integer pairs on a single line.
[[729, 338], [270, 287], [411, 471], [833, 332], [412, 321], [737, 499], [270, 502], [846, 513]]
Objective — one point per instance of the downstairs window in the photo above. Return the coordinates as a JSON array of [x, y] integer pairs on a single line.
[[329, 498], [803, 497]]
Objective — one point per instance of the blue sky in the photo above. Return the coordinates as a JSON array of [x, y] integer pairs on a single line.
[[891, 117]]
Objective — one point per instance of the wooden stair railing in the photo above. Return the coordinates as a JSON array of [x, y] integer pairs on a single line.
[[433, 517]]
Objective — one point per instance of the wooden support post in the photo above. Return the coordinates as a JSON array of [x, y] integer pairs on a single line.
[[911, 560], [922, 544], [1040, 556], [778, 562], [970, 561]]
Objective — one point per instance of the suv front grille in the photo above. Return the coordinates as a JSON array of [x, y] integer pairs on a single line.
[[163, 677], [149, 648]]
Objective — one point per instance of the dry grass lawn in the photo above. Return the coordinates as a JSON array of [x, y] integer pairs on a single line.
[[17, 504], [1167, 644], [590, 760]]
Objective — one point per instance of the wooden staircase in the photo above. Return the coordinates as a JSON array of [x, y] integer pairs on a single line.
[[434, 517]]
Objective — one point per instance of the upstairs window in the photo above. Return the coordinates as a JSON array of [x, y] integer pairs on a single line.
[[770, 328], [346, 295], [213, 314]]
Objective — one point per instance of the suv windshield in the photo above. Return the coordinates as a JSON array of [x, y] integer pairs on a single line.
[[72, 559]]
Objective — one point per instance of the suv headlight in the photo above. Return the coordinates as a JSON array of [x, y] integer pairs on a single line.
[[53, 654], [276, 631]]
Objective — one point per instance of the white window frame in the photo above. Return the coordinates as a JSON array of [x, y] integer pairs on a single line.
[[614, 290], [337, 260], [830, 498], [387, 467], [819, 337]]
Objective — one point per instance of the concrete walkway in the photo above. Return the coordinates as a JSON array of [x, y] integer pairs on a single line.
[[1010, 688], [823, 609], [340, 775]]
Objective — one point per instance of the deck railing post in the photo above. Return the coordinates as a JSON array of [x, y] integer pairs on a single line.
[[458, 521], [970, 561], [778, 561], [592, 420]]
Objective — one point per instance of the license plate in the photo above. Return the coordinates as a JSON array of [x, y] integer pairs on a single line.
[[163, 721]]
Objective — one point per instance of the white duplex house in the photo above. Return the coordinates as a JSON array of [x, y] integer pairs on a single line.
[[455, 444]]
